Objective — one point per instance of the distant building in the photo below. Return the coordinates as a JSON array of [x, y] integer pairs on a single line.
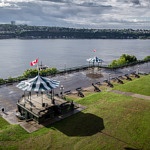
[[13, 22]]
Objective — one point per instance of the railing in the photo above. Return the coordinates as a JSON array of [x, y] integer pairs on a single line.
[[75, 69], [79, 68]]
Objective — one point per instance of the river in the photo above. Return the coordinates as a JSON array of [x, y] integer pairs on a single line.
[[16, 55]]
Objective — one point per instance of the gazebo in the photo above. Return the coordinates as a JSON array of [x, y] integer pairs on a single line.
[[94, 60], [38, 100]]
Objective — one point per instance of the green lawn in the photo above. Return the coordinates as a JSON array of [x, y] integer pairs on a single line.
[[110, 122], [139, 86]]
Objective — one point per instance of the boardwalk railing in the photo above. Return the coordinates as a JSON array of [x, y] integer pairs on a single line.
[[80, 68], [10, 81]]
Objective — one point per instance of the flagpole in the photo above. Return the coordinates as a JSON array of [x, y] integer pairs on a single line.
[[38, 66]]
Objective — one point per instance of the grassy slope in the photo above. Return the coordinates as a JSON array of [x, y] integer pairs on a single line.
[[110, 121], [139, 86]]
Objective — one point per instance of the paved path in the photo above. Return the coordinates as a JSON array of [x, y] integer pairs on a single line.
[[131, 94], [9, 95]]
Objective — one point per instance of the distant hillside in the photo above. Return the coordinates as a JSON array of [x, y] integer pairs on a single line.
[[8, 31]]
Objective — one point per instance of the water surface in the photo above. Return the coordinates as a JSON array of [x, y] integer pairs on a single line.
[[17, 54]]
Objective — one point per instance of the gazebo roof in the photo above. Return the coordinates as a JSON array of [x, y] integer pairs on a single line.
[[95, 59], [38, 83]]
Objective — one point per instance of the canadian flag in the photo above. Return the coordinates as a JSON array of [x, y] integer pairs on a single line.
[[34, 62]]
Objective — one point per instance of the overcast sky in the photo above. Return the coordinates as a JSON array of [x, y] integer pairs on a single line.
[[77, 13]]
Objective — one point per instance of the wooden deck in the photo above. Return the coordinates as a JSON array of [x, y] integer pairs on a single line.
[[42, 107], [40, 102]]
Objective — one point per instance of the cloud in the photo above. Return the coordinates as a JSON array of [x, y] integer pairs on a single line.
[[77, 13], [136, 2]]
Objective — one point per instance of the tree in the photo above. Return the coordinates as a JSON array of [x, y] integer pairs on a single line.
[[124, 59], [147, 58], [30, 73], [44, 72]]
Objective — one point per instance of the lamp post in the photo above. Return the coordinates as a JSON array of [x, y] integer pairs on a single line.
[[42, 97], [61, 90], [109, 77], [65, 72], [138, 70], [89, 64], [65, 68], [128, 71]]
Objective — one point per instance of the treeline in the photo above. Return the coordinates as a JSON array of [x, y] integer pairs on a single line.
[[45, 32], [29, 73]]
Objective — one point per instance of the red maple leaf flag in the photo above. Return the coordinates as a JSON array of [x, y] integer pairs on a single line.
[[34, 62]]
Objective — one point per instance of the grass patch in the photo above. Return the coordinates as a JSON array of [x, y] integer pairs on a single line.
[[3, 124], [139, 86], [111, 121]]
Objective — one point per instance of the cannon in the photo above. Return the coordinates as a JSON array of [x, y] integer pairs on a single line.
[[119, 81], [108, 83], [127, 77], [96, 89], [80, 94], [135, 75]]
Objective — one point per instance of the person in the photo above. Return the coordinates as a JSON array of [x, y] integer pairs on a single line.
[[3, 109], [72, 106], [53, 101], [29, 95]]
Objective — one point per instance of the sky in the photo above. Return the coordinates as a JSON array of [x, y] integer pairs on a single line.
[[95, 14]]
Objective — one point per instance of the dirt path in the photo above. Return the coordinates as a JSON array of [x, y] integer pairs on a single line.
[[131, 94]]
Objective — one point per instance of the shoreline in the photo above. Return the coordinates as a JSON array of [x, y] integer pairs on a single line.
[[76, 69]]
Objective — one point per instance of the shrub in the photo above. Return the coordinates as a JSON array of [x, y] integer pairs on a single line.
[[147, 58], [10, 80], [2, 81], [30, 73], [123, 60], [34, 72]]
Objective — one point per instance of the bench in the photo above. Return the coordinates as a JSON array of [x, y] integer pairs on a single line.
[[67, 92]]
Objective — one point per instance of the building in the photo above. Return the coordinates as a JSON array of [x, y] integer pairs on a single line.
[[13, 22]]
